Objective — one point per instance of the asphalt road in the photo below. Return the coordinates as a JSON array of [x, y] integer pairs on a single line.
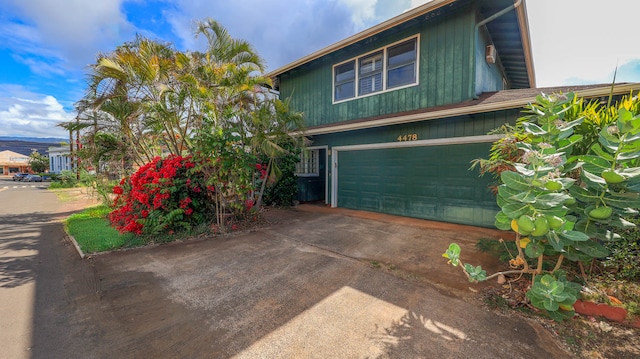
[[33, 303]]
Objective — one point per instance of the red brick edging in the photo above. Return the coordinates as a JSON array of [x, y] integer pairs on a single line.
[[616, 314]]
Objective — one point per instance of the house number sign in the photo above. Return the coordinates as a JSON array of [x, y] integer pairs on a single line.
[[407, 137]]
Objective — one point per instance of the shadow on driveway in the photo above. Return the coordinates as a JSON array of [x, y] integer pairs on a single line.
[[306, 287]]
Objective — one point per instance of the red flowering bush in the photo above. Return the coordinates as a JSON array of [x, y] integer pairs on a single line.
[[164, 195]]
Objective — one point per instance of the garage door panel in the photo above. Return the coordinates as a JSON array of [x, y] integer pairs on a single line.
[[422, 207], [370, 201], [424, 182]]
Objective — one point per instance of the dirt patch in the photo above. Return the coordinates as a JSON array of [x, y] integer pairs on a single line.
[[584, 336]]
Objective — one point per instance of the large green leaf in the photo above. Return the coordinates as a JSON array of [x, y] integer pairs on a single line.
[[523, 170], [588, 227], [503, 222], [533, 129], [631, 200], [515, 210], [525, 197], [514, 180], [507, 192], [608, 141], [453, 254], [550, 200], [601, 153], [572, 124], [534, 250], [631, 173], [574, 236], [625, 156], [594, 164], [567, 143], [584, 195], [555, 241], [626, 121], [593, 180], [592, 249], [476, 274]]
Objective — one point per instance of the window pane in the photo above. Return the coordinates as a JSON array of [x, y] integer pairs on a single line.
[[345, 76], [370, 73], [345, 72], [403, 75], [370, 84], [402, 54], [308, 164], [345, 90], [371, 63]]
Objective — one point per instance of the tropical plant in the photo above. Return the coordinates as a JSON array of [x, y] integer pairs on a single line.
[[38, 163], [284, 191], [562, 204], [147, 100], [163, 196]]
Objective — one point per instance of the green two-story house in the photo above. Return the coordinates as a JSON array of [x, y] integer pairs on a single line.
[[396, 113]]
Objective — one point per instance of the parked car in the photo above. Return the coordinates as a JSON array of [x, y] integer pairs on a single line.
[[33, 178], [19, 176]]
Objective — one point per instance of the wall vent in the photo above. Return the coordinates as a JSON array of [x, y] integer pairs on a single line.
[[490, 54]]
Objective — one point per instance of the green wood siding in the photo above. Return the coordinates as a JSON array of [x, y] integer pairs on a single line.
[[422, 182], [488, 76], [445, 46], [472, 125]]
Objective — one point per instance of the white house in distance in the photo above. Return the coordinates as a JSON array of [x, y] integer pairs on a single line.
[[59, 159]]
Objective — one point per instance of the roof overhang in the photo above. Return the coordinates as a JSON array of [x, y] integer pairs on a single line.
[[410, 14], [520, 15], [474, 107]]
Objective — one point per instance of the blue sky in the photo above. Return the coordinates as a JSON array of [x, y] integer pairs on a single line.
[[46, 45]]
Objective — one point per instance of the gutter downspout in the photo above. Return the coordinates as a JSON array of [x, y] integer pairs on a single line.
[[475, 33]]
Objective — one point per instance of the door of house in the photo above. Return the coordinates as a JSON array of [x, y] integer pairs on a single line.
[[430, 182]]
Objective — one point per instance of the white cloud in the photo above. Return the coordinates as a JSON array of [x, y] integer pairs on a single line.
[[73, 31], [573, 41], [281, 30], [23, 113], [362, 11]]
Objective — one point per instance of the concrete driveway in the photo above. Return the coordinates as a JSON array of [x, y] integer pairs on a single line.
[[317, 283]]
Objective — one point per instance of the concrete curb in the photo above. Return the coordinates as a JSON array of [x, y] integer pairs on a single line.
[[75, 244]]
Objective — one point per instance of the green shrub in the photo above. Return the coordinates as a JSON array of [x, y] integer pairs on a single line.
[[625, 253], [285, 190]]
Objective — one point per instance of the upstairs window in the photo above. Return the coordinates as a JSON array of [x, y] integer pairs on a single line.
[[392, 67], [401, 64], [345, 81], [370, 73]]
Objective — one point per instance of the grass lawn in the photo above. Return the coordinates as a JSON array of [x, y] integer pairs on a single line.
[[93, 233]]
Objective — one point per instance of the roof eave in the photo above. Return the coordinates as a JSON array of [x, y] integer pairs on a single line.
[[526, 42], [459, 111], [410, 14]]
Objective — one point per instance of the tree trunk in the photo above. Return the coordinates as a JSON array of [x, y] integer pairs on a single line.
[[264, 183]]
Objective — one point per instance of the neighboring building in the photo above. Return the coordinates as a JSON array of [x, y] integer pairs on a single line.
[[59, 159], [13, 162], [396, 113]]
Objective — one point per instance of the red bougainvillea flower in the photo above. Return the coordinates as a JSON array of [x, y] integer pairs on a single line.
[[155, 191]]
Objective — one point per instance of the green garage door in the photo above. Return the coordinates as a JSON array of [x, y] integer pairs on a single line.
[[423, 182]]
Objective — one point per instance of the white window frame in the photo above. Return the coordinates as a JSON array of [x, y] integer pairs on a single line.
[[357, 60], [309, 165]]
